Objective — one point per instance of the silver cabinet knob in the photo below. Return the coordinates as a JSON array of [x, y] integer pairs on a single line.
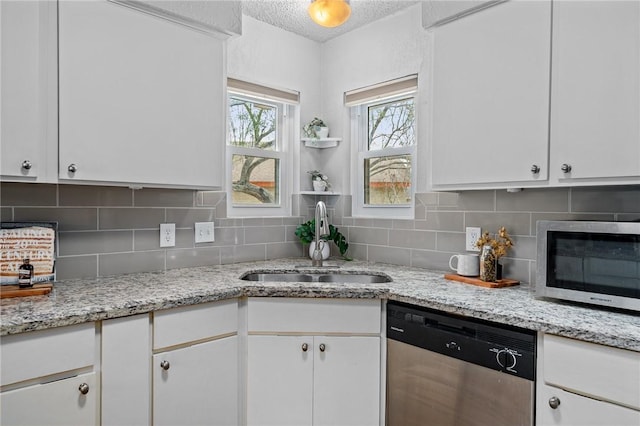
[[83, 388], [26, 164], [535, 169], [566, 168], [322, 347], [165, 365], [305, 347], [72, 168], [554, 402]]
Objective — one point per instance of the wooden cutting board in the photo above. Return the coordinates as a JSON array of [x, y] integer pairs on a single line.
[[15, 291], [506, 282]]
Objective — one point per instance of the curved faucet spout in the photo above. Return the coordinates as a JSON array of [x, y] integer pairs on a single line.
[[322, 231]]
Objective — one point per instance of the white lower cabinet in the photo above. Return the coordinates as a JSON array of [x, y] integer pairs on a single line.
[[197, 385], [61, 402], [574, 409], [195, 365], [581, 383], [126, 371], [48, 377], [314, 378]]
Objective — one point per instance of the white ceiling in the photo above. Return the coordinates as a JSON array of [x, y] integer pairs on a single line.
[[291, 15]]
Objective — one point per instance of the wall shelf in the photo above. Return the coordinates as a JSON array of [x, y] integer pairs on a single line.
[[321, 142]]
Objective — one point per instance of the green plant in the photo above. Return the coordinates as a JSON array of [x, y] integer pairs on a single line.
[[307, 233], [310, 128]]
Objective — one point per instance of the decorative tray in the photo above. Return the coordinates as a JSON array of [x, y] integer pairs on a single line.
[[505, 282], [7, 291]]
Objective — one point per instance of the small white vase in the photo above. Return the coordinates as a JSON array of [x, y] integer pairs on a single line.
[[326, 250], [322, 132], [319, 185]]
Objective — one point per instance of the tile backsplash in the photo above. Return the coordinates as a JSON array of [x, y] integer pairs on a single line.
[[115, 230]]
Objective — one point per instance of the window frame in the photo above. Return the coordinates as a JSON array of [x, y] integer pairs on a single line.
[[282, 153], [361, 152]]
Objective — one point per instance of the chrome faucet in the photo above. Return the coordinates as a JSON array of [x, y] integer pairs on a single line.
[[322, 231]]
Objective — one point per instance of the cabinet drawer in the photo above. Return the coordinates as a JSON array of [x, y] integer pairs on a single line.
[[40, 353], [595, 370], [59, 402], [314, 315], [191, 323], [580, 410]]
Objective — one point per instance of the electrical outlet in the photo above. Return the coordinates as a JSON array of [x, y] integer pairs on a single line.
[[473, 235], [204, 232], [167, 234]]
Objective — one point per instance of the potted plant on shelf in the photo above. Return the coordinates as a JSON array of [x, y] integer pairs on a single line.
[[319, 180], [316, 128], [307, 232]]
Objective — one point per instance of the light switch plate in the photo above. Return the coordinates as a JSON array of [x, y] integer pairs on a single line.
[[204, 232], [167, 235], [473, 235]]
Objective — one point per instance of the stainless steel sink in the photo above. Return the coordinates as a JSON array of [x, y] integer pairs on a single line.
[[334, 277]]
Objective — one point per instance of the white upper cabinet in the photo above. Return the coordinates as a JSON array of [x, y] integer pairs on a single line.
[[28, 134], [141, 99], [491, 97], [595, 109]]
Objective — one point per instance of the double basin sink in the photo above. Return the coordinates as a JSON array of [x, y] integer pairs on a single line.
[[326, 277]]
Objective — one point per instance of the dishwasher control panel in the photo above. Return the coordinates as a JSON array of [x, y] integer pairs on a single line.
[[495, 346]]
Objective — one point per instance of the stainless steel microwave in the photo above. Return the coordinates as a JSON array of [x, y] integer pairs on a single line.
[[589, 262]]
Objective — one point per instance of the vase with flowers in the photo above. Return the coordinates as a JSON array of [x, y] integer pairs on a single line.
[[319, 180], [493, 247]]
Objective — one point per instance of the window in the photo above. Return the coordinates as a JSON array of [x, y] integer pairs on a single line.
[[257, 154], [384, 129]]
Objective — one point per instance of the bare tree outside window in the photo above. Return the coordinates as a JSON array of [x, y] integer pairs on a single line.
[[387, 178], [253, 126]]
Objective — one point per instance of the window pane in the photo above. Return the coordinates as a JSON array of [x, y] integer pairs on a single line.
[[391, 124], [252, 124], [255, 180], [387, 180]]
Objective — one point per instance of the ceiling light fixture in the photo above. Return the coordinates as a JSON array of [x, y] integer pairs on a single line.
[[329, 13]]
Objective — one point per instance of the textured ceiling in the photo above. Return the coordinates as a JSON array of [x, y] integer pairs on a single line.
[[291, 15]]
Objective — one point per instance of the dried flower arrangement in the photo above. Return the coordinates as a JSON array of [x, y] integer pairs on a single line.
[[500, 244]]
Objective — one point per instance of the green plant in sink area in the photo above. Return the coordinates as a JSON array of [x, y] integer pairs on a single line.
[[307, 233]]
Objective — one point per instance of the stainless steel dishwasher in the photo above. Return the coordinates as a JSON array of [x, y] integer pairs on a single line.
[[450, 370]]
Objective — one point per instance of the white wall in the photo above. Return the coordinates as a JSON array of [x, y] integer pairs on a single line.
[[276, 58], [387, 49]]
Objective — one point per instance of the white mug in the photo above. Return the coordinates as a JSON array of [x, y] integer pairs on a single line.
[[468, 265]]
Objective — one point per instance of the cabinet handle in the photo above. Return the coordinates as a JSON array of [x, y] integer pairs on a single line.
[[535, 169], [165, 365], [566, 168], [554, 402], [26, 164], [305, 347], [322, 347], [83, 388], [72, 168]]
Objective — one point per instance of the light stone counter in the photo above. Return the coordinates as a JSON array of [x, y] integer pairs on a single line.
[[77, 301]]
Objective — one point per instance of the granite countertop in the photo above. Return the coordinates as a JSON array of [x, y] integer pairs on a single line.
[[77, 301]]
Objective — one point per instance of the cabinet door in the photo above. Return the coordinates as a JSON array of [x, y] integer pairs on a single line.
[[580, 410], [491, 97], [346, 385], [126, 371], [279, 380], [54, 403], [141, 98], [28, 85], [595, 98], [199, 385]]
